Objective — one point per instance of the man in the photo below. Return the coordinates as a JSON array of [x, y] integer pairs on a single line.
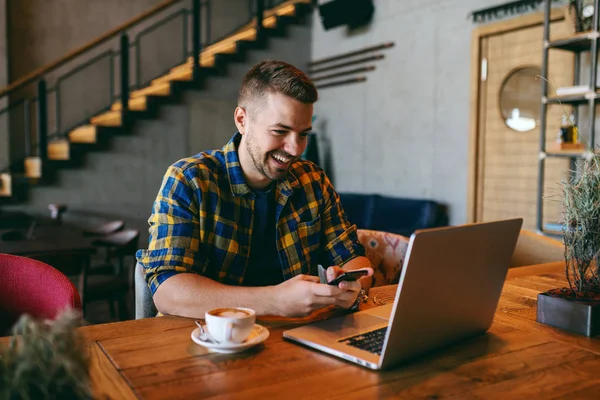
[[247, 225]]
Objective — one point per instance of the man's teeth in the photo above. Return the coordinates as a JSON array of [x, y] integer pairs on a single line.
[[281, 159]]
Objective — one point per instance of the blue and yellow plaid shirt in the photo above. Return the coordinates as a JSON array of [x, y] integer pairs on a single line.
[[202, 221]]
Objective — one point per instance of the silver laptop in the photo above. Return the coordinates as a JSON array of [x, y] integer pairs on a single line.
[[448, 291]]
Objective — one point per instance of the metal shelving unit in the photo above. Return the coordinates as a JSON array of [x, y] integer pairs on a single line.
[[578, 43]]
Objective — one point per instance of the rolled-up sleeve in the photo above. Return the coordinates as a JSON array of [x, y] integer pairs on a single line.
[[174, 230], [340, 240]]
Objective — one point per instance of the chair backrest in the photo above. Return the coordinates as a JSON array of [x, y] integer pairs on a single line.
[[71, 264], [533, 248], [35, 288], [144, 304], [386, 252], [105, 229], [120, 244]]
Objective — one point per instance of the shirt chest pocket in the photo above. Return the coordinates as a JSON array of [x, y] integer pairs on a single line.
[[308, 234]]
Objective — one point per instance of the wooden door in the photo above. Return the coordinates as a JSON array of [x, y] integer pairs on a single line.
[[507, 159]]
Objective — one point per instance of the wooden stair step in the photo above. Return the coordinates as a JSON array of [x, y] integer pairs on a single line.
[[207, 60], [228, 45], [109, 118], [59, 150], [138, 100], [185, 74], [33, 167], [5, 185], [84, 134], [225, 46], [135, 104], [164, 89]]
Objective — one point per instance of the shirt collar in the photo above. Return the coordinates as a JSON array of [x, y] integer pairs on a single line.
[[236, 176]]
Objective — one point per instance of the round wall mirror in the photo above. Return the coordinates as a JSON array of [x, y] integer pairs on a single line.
[[520, 96]]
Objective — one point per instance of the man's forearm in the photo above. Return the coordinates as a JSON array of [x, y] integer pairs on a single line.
[[191, 295]]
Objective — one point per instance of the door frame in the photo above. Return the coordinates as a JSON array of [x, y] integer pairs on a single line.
[[475, 111]]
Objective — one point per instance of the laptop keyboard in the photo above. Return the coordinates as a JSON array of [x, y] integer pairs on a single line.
[[370, 341]]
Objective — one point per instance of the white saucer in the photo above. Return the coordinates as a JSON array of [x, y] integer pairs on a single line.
[[258, 335]]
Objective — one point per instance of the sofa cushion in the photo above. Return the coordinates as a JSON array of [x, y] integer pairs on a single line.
[[403, 216], [358, 208], [392, 214]]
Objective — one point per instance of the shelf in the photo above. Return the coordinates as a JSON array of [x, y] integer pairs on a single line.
[[573, 99], [576, 43], [567, 155], [566, 148], [553, 229], [581, 94]]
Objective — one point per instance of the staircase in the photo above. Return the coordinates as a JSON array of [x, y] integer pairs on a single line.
[[67, 149]]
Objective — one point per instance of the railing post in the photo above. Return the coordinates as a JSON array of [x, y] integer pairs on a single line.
[[27, 116], [196, 40], [42, 120], [124, 76], [207, 21], [260, 10]]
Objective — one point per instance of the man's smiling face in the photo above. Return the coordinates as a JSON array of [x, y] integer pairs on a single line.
[[275, 130]]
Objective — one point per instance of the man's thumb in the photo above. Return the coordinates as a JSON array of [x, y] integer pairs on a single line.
[[332, 273]]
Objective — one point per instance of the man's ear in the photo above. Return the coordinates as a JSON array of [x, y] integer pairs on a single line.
[[240, 117]]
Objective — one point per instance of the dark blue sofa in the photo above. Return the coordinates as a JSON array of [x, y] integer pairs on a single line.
[[392, 214]]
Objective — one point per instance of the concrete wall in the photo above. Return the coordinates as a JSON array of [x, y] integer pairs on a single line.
[[43, 30], [404, 132], [123, 181]]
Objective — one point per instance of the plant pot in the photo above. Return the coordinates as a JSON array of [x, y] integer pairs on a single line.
[[582, 317]]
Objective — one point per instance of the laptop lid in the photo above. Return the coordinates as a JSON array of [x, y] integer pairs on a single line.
[[449, 287]]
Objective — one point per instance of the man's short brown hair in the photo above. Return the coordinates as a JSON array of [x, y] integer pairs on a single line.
[[276, 77]]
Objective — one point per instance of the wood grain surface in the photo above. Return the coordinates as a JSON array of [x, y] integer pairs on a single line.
[[517, 359]]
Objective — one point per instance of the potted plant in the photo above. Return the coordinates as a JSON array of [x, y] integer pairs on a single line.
[[45, 360], [577, 308]]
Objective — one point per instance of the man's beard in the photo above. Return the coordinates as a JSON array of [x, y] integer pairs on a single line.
[[262, 166]]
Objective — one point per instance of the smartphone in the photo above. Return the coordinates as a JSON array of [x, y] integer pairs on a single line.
[[348, 276]]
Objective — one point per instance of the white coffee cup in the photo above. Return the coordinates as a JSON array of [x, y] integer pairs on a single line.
[[230, 325]]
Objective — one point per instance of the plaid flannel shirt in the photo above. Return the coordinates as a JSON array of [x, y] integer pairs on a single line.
[[202, 221]]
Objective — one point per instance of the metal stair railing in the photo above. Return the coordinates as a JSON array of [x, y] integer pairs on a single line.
[[65, 94]]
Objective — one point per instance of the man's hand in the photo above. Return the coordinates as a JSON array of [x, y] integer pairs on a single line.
[[350, 289], [303, 294]]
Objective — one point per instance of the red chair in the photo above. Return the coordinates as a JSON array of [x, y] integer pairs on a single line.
[[32, 287]]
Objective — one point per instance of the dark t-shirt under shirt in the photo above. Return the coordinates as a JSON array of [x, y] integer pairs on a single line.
[[264, 267]]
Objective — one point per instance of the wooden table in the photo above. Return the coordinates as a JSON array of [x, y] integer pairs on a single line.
[[518, 359], [47, 239], [14, 219]]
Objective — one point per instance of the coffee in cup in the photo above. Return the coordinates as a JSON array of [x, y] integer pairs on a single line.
[[230, 312], [230, 325]]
